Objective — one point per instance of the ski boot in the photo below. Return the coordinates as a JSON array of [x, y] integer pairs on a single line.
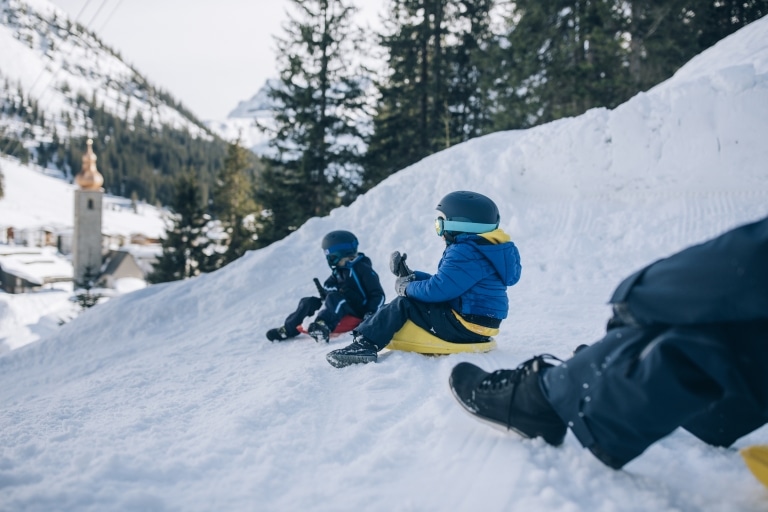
[[361, 351], [277, 334], [319, 331]]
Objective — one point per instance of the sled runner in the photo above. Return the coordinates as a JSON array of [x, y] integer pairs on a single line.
[[412, 338], [756, 458], [346, 324]]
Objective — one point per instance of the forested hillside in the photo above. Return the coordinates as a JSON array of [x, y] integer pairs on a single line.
[[59, 85]]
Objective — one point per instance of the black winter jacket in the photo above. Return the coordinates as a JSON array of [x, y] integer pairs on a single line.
[[359, 284]]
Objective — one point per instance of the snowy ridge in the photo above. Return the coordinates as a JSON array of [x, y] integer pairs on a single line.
[[245, 120], [53, 64], [170, 398]]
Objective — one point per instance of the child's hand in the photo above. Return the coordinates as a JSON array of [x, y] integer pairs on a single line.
[[401, 283], [397, 264]]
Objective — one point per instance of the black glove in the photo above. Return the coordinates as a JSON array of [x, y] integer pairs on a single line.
[[322, 291], [401, 283], [397, 264]]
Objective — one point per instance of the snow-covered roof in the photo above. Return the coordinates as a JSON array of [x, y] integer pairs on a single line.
[[35, 265]]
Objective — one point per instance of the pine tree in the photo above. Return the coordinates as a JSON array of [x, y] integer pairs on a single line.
[[233, 202], [471, 70], [561, 58], [187, 250], [437, 90], [2, 184], [314, 164], [407, 124], [664, 35]]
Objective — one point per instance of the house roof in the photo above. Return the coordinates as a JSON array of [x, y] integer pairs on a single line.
[[34, 264], [114, 260]]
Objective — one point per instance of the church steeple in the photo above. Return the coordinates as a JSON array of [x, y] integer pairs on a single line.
[[89, 178], [87, 244]]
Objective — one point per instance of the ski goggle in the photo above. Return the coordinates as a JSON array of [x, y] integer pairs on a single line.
[[333, 259], [335, 253], [442, 225]]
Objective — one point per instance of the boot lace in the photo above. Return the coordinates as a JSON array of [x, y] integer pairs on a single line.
[[501, 379]]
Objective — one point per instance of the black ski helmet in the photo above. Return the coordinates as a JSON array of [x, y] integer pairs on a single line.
[[337, 245], [465, 206]]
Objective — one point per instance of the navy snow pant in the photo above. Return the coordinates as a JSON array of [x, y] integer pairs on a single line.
[[437, 318], [638, 384], [334, 309]]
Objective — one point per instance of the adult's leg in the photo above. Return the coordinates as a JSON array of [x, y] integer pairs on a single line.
[[638, 385], [738, 414]]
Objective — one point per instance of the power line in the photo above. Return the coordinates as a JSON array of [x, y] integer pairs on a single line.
[[47, 87], [109, 16], [42, 71], [53, 76]]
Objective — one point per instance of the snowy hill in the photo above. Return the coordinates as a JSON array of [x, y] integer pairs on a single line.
[[170, 398]]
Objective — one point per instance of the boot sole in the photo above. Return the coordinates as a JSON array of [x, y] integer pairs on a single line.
[[491, 423], [340, 360]]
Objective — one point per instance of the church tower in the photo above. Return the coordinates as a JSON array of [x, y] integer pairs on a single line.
[[86, 253]]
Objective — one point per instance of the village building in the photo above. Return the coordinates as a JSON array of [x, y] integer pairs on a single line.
[[26, 269], [82, 256]]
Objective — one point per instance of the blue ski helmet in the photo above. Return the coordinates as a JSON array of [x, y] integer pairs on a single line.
[[337, 245], [466, 212]]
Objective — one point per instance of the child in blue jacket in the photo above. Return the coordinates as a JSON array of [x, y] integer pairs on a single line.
[[353, 289], [465, 301]]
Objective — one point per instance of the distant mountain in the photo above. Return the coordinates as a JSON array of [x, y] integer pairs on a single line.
[[60, 83], [249, 118], [245, 120]]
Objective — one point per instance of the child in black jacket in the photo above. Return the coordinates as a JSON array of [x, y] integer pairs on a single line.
[[353, 289]]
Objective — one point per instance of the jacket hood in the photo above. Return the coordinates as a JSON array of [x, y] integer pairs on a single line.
[[501, 253]]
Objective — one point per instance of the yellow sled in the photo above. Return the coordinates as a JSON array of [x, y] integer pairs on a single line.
[[756, 458], [412, 338]]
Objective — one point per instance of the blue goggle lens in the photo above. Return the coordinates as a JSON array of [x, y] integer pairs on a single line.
[[443, 225], [439, 226]]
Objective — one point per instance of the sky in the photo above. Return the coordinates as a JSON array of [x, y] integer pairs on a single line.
[[170, 397], [208, 55]]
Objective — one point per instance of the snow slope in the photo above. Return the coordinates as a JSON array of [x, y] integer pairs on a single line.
[[170, 398]]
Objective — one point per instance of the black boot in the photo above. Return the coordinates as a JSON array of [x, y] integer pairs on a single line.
[[510, 399], [361, 351], [277, 334], [319, 331]]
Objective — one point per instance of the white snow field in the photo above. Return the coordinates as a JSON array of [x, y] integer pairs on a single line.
[[171, 399]]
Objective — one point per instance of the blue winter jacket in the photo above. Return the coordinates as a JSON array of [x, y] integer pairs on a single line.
[[472, 276]]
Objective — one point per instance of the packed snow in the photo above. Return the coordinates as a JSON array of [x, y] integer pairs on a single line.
[[170, 397]]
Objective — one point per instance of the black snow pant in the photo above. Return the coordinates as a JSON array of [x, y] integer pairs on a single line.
[[334, 308], [437, 318], [638, 384]]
